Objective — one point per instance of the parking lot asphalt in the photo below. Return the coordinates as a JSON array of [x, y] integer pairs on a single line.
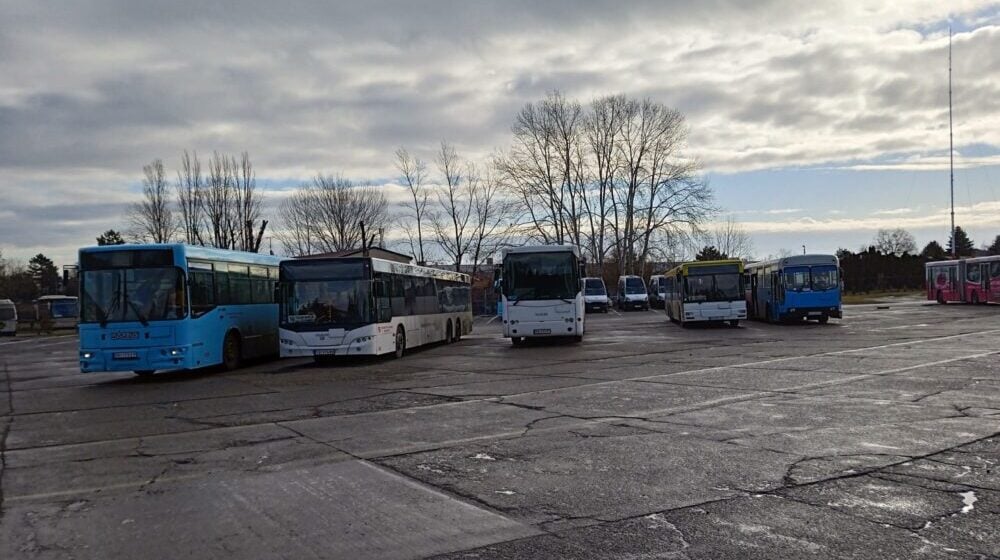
[[877, 436]]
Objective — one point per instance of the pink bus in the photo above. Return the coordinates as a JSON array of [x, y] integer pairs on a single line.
[[975, 280]]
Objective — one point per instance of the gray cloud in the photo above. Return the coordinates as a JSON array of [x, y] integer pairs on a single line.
[[92, 90]]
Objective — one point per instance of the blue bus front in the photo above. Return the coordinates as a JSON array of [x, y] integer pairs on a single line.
[[810, 292], [133, 305]]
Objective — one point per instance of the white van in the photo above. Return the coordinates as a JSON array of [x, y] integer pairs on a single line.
[[8, 318], [632, 293], [595, 295]]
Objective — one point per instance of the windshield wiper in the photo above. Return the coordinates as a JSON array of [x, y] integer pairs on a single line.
[[135, 309]]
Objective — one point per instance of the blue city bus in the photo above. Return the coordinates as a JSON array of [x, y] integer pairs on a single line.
[[162, 307], [794, 288]]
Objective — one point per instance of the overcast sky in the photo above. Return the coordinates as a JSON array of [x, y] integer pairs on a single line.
[[817, 122]]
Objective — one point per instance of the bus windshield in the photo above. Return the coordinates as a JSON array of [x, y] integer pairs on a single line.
[[713, 287], [816, 278], [6, 313], [538, 276], [323, 294], [595, 287], [63, 308], [634, 286], [136, 294], [327, 302]]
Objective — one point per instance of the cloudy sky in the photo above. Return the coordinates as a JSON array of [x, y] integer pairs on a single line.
[[817, 122]]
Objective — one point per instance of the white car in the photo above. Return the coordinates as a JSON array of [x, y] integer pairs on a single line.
[[632, 293], [8, 318]]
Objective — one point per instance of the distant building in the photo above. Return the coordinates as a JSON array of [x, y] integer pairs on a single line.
[[377, 252]]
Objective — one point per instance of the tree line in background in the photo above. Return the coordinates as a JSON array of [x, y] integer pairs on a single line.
[[26, 282], [219, 205], [609, 177], [892, 262]]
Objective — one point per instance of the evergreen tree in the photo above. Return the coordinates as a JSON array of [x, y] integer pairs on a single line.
[[994, 249], [933, 251], [709, 253], [45, 274], [964, 244], [110, 237]]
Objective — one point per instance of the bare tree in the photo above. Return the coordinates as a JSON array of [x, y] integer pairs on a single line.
[[219, 202], [452, 225], [325, 216], [602, 128], [494, 215], [413, 173], [897, 242], [248, 206], [190, 198], [151, 219], [732, 240]]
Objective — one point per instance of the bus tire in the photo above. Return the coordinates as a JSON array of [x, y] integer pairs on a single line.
[[449, 334], [734, 323], [517, 341], [400, 342], [975, 298], [940, 298], [458, 330], [144, 372], [578, 338], [824, 319], [232, 351]]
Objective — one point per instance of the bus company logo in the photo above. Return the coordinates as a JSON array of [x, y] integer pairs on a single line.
[[385, 330], [125, 335]]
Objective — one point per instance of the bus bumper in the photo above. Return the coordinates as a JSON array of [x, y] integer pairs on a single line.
[[800, 313], [164, 358], [358, 347], [531, 329]]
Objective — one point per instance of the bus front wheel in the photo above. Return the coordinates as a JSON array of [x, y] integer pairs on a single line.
[[144, 372], [940, 298], [400, 341], [449, 334], [231, 351], [734, 323], [824, 319], [517, 341], [458, 330]]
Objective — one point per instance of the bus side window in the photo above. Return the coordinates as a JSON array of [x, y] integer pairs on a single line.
[[260, 288], [239, 285], [202, 288]]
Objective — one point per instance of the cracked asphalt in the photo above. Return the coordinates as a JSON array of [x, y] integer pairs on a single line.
[[877, 436]]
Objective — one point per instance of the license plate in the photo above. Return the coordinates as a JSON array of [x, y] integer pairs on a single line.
[[125, 356], [815, 313], [543, 331], [324, 352]]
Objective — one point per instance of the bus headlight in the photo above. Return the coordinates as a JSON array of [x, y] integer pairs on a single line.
[[87, 355]]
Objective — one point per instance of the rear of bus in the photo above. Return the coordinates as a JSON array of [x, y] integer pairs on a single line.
[[8, 318], [542, 293], [713, 292]]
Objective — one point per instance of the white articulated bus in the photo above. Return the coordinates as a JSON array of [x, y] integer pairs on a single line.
[[542, 293], [367, 306]]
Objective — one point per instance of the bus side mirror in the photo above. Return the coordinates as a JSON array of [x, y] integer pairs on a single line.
[[498, 279], [277, 292]]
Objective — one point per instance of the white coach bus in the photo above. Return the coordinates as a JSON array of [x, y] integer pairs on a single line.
[[541, 290], [368, 306]]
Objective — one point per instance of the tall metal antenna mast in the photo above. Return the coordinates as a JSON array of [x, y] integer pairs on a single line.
[[951, 154]]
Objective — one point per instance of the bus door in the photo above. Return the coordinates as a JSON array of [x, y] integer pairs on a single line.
[[984, 280], [753, 293]]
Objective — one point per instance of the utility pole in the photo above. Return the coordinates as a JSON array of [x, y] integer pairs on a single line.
[[951, 154], [803, 249]]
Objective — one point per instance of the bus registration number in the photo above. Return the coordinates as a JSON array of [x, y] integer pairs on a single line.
[[324, 352], [543, 331]]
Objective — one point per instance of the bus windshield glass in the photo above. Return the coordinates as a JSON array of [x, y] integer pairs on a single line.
[[595, 288], [63, 308], [540, 276], [634, 286], [326, 294], [713, 287], [797, 279], [825, 278], [6, 313], [137, 294]]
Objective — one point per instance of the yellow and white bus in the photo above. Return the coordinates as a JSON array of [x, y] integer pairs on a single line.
[[706, 291]]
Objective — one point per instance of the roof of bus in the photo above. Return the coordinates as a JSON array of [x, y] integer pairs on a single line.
[[194, 251], [47, 298], [384, 265], [543, 249], [6, 302], [683, 268], [797, 260]]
